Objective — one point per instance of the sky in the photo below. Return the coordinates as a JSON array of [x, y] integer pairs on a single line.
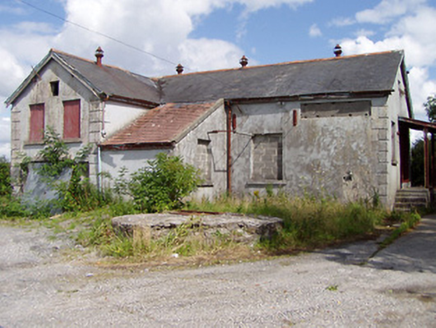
[[151, 37]]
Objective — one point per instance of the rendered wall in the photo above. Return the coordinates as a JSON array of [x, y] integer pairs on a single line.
[[113, 160], [39, 92], [346, 156], [212, 129]]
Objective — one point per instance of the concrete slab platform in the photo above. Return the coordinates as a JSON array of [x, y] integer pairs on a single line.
[[248, 229]]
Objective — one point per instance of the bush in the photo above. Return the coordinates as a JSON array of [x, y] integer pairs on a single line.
[[5, 177], [163, 185]]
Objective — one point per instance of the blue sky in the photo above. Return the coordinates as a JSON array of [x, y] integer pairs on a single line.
[[213, 34]]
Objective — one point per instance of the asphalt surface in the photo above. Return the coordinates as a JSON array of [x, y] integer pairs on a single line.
[[349, 286]]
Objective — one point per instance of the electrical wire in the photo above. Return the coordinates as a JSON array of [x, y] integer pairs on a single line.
[[110, 38], [95, 32]]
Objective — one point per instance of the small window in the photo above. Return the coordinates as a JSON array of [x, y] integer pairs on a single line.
[[54, 86], [267, 157]]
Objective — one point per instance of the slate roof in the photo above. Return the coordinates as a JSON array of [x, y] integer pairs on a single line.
[[361, 73], [194, 92], [113, 81], [162, 125], [104, 81]]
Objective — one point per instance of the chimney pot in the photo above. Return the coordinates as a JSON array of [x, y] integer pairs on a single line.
[[243, 61], [99, 54], [179, 69], [338, 50]]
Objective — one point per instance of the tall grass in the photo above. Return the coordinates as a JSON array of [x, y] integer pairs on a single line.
[[308, 221]]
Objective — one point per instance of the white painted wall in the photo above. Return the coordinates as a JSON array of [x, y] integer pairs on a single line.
[[118, 116]]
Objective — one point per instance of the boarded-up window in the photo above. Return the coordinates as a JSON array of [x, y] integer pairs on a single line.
[[204, 160], [72, 119], [267, 157], [334, 109], [36, 132]]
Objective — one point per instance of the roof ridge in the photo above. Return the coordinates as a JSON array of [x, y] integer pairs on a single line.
[[93, 62], [281, 64]]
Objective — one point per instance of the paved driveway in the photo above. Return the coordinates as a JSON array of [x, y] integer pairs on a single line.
[[41, 287]]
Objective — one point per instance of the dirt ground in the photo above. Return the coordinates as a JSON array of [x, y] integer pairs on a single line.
[[45, 284]]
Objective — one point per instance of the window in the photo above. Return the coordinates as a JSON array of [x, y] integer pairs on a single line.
[[36, 131], [267, 157], [394, 160], [72, 119], [204, 160], [54, 86], [338, 109]]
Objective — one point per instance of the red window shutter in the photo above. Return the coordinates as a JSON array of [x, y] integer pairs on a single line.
[[72, 119], [36, 132]]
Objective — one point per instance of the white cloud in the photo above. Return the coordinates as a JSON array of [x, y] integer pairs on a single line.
[[11, 10], [207, 54], [414, 33], [5, 136], [387, 10], [421, 87], [314, 31], [342, 21], [363, 32], [254, 5], [161, 27]]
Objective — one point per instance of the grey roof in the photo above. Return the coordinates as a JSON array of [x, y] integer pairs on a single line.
[[103, 80], [361, 73], [111, 80]]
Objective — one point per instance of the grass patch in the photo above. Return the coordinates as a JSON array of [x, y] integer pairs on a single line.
[[406, 221], [308, 222]]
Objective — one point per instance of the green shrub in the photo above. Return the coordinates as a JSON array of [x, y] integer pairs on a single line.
[[163, 185], [5, 177], [11, 207]]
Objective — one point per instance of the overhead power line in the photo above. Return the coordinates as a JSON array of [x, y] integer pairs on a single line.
[[95, 32], [109, 37]]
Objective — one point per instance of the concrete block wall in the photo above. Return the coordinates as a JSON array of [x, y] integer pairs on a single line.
[[267, 157]]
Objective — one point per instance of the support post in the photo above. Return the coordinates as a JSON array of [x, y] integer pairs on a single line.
[[228, 108], [426, 160]]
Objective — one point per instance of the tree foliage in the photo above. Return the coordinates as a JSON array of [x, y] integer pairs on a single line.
[[417, 166], [5, 177], [163, 184], [430, 108]]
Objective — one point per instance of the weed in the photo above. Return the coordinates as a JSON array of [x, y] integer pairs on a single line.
[[332, 288]]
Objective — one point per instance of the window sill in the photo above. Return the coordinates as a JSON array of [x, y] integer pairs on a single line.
[[41, 142], [72, 140], [207, 184], [34, 143], [274, 183]]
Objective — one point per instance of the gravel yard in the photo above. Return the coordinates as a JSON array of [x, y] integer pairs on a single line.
[[45, 285]]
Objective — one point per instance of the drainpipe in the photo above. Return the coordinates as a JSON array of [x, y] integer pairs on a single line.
[[102, 136], [99, 187], [228, 109]]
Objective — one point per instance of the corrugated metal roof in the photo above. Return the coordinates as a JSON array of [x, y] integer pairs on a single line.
[[360, 73], [163, 124]]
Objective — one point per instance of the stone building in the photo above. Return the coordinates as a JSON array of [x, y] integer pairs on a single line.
[[330, 125]]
